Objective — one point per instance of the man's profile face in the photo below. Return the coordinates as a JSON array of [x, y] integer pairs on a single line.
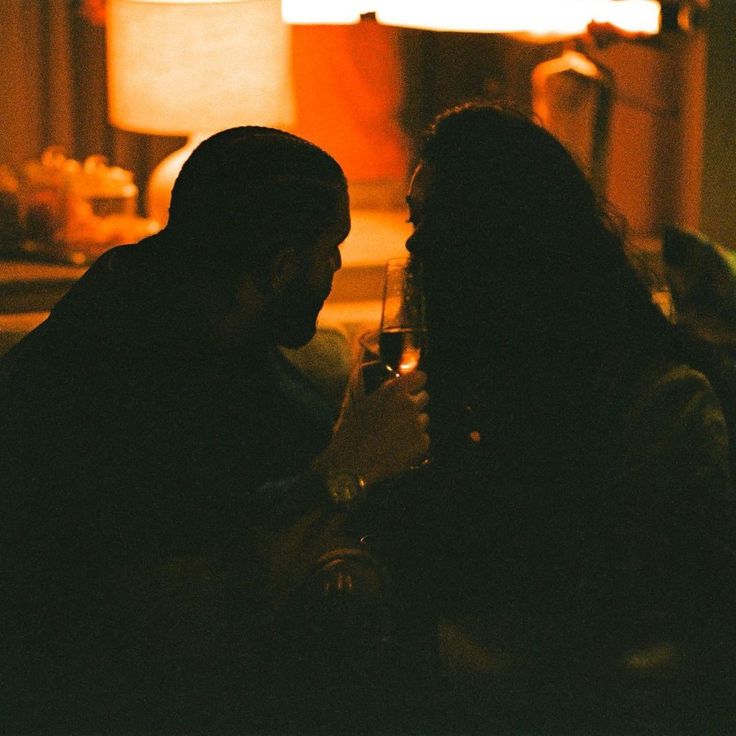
[[294, 314]]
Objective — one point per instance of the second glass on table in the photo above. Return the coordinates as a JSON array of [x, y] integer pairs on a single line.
[[402, 336]]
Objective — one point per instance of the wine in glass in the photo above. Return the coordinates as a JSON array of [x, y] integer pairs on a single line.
[[403, 332]]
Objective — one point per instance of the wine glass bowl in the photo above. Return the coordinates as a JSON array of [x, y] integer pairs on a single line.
[[403, 333]]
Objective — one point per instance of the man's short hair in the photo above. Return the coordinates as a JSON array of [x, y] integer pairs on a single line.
[[246, 191]]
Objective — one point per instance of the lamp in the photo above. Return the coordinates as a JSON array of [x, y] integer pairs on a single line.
[[193, 67], [534, 17]]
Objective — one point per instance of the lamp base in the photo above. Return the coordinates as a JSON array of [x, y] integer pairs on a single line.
[[158, 192]]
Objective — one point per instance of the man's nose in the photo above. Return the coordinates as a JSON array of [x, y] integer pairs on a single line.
[[336, 260]]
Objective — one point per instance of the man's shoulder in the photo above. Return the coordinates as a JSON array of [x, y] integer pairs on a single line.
[[91, 319], [113, 273]]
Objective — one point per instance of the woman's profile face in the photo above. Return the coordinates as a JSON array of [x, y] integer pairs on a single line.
[[439, 211]]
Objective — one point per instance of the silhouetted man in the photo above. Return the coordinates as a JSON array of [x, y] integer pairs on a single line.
[[150, 424]]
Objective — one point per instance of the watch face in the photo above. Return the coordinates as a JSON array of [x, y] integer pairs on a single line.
[[345, 488]]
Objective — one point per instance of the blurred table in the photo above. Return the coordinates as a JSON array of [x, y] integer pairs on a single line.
[[28, 290], [27, 286], [376, 236]]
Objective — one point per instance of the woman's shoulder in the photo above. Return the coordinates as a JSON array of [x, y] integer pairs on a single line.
[[673, 429], [674, 391]]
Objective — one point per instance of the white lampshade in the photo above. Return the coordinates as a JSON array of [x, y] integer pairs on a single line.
[[179, 66], [193, 67]]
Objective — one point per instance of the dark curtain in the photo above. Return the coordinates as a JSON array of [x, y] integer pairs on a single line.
[[53, 88]]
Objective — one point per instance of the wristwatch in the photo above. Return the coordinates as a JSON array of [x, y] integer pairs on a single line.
[[346, 488]]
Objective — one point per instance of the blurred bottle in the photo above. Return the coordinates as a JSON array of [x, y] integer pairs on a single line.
[[572, 97], [41, 195], [74, 212], [684, 15], [99, 190], [100, 203]]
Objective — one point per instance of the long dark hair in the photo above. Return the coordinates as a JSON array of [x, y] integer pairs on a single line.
[[529, 289]]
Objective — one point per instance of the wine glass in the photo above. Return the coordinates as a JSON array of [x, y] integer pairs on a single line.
[[403, 333]]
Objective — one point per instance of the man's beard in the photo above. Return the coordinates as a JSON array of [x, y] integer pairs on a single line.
[[292, 318]]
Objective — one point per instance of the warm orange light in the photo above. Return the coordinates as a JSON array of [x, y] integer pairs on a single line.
[[175, 68], [535, 17]]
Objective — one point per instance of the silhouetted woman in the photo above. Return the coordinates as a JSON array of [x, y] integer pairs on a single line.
[[575, 527]]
